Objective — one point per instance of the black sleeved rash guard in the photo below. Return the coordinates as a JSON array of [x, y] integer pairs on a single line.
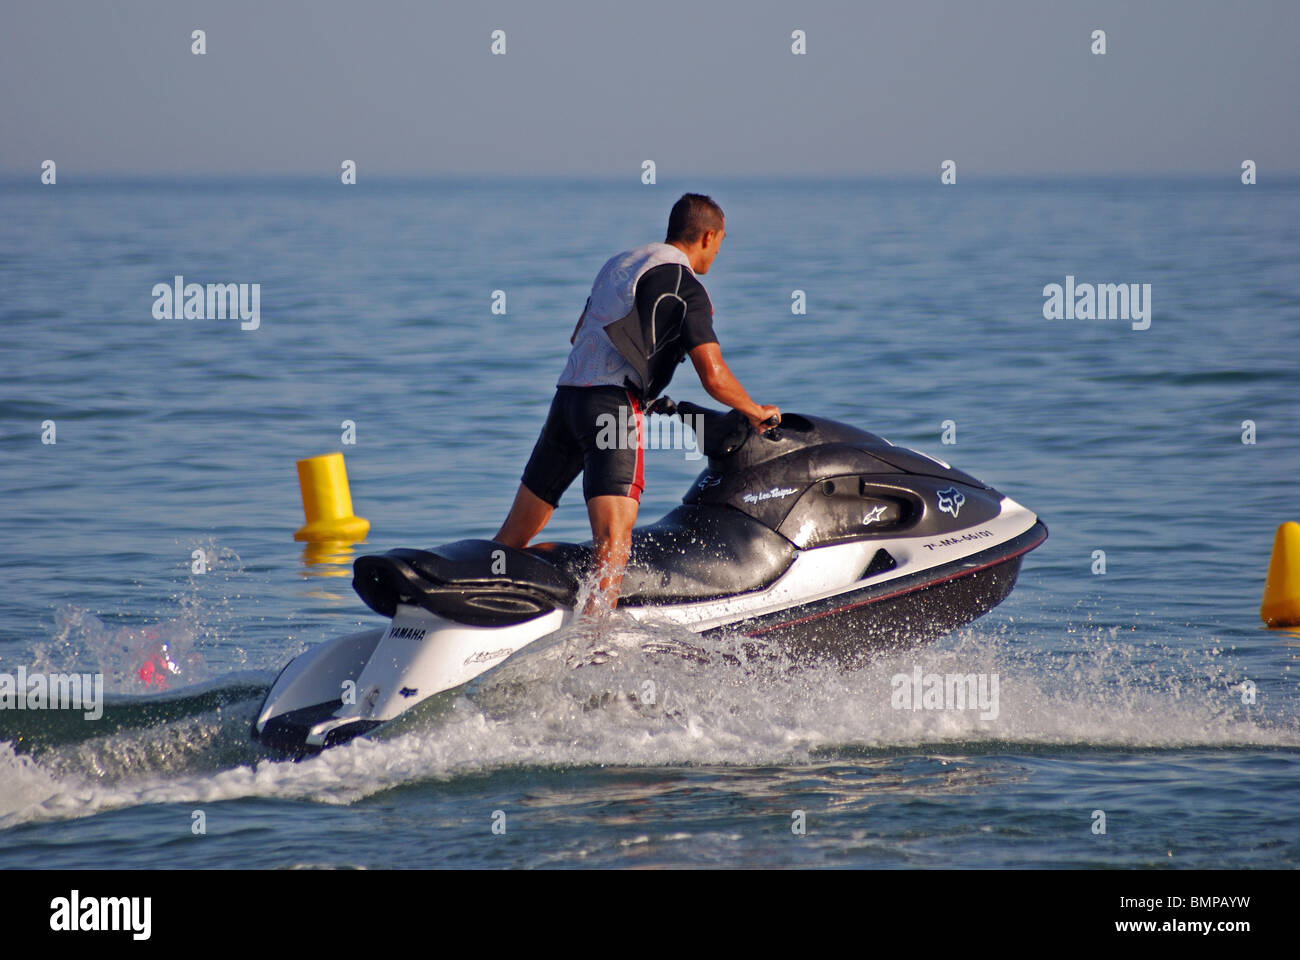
[[673, 303]]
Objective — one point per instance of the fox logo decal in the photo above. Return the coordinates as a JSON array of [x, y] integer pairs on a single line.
[[950, 500]]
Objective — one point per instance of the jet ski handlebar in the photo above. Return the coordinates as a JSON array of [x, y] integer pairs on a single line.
[[724, 432]]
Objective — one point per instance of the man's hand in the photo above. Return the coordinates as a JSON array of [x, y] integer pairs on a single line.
[[759, 420]]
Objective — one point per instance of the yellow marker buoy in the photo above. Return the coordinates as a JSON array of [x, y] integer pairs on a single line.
[[327, 501], [1281, 606]]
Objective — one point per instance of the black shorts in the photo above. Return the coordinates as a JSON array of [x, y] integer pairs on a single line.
[[598, 431]]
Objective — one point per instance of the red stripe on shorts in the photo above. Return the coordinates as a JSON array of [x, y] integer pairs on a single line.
[[638, 477]]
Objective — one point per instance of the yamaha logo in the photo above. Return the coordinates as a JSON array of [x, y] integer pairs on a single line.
[[406, 633]]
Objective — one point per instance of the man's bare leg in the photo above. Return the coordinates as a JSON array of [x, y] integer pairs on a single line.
[[528, 515], [612, 519]]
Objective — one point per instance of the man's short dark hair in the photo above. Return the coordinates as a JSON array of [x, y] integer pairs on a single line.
[[691, 216]]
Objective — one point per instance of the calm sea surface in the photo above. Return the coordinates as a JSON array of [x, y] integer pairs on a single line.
[[1119, 692]]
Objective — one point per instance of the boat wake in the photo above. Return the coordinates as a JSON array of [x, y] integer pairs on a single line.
[[635, 697]]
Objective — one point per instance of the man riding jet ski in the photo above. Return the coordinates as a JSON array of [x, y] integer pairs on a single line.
[[814, 538], [647, 312], [817, 539]]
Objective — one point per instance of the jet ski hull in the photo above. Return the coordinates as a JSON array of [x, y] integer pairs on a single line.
[[852, 626], [848, 628]]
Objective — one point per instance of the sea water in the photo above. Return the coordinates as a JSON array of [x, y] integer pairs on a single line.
[[151, 540]]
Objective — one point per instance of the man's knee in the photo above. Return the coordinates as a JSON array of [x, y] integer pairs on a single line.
[[612, 517]]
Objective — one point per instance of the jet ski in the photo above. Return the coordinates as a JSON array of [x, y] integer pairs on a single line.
[[814, 538]]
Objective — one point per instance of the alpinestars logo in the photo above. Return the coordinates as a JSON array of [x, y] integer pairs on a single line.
[[487, 656], [950, 500]]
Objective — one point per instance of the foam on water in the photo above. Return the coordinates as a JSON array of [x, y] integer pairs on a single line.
[[576, 701], [161, 655], [139, 659]]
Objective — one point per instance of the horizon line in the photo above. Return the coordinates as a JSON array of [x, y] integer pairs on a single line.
[[332, 176]]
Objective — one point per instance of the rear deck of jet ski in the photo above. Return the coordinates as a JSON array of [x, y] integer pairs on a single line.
[[476, 582]]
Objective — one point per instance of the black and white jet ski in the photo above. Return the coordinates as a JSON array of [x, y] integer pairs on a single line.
[[817, 537]]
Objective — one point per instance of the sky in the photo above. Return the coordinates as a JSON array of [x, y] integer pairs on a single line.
[[593, 89]]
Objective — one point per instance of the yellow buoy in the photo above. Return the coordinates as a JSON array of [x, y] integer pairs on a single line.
[[1281, 606], [327, 501]]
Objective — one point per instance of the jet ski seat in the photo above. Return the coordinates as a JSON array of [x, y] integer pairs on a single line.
[[696, 552], [478, 582]]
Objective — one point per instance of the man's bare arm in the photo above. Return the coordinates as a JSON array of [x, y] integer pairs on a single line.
[[721, 384]]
